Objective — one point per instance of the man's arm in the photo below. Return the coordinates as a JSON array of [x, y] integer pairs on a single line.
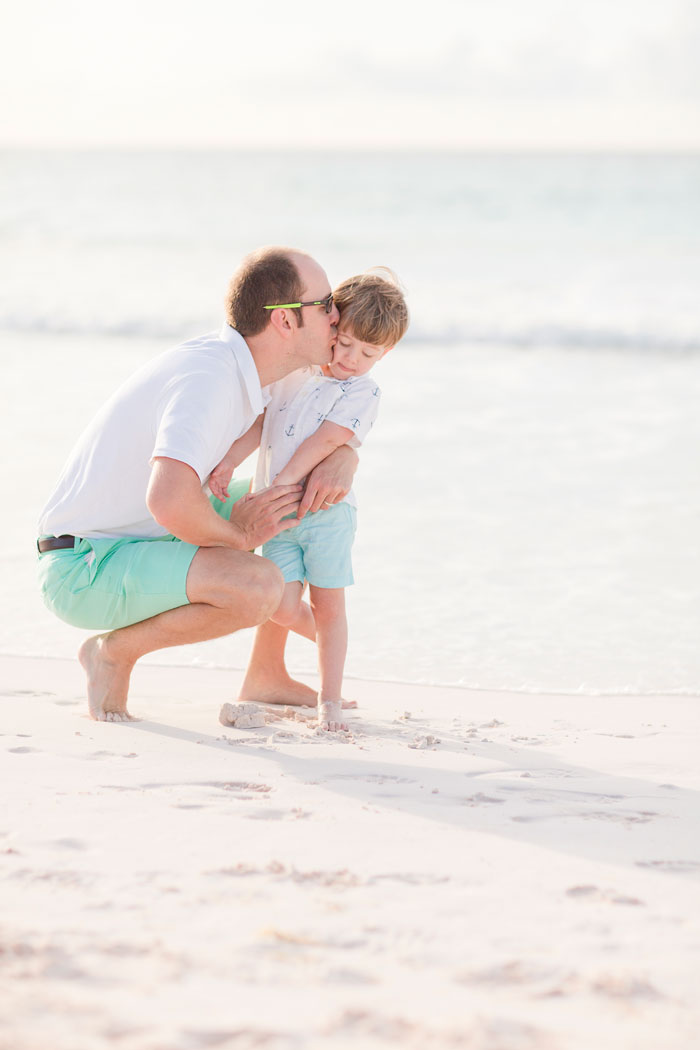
[[177, 502], [312, 451]]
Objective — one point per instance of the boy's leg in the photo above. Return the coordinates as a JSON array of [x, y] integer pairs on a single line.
[[328, 605]]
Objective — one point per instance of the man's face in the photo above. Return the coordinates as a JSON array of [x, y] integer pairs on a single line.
[[316, 338]]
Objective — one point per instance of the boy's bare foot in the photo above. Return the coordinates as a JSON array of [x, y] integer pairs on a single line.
[[330, 715], [107, 681]]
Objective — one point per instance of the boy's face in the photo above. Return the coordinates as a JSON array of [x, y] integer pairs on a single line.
[[351, 357]]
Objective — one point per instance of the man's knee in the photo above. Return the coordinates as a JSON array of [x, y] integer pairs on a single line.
[[266, 590], [250, 586], [255, 594]]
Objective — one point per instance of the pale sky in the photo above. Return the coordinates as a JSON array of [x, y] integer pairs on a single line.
[[500, 74]]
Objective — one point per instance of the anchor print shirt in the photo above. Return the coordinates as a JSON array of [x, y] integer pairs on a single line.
[[299, 403]]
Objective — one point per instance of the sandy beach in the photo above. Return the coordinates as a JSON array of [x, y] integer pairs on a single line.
[[491, 871]]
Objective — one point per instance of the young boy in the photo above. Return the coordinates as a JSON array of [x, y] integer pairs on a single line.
[[312, 412]]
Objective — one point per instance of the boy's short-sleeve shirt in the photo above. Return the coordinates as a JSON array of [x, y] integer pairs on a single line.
[[187, 404], [298, 405]]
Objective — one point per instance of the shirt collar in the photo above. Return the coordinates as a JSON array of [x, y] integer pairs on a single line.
[[246, 365]]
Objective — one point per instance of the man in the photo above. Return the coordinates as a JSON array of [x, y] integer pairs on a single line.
[[129, 540]]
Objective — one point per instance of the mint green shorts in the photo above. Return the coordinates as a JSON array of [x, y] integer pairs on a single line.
[[104, 584], [318, 549]]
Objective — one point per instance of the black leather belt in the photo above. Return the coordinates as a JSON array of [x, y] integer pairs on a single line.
[[55, 543]]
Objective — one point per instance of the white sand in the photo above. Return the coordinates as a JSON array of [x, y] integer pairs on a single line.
[[487, 871]]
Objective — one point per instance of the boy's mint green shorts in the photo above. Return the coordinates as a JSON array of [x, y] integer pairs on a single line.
[[317, 549], [106, 584]]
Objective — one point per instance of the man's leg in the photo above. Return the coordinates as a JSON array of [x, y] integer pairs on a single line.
[[227, 590], [295, 614], [267, 679]]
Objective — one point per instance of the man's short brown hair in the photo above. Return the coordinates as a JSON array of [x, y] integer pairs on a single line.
[[265, 277], [373, 307]]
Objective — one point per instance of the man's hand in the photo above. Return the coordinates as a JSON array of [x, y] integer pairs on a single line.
[[261, 515], [330, 481], [176, 501]]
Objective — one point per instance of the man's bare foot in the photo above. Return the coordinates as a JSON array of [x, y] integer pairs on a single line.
[[278, 690], [281, 690], [107, 681], [330, 715]]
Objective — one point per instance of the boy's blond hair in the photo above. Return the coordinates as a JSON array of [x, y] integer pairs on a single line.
[[372, 305]]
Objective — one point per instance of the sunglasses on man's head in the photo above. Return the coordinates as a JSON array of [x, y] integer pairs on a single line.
[[326, 303]]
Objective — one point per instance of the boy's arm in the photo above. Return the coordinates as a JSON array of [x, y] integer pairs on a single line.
[[241, 448], [352, 416], [311, 452], [330, 481]]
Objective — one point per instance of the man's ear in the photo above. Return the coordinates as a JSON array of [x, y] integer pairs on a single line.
[[283, 321]]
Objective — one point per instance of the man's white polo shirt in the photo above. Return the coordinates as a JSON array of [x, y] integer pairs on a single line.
[[189, 403]]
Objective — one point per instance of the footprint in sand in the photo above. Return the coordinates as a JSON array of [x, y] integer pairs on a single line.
[[284, 736], [199, 1039], [625, 987], [676, 867], [594, 893], [27, 692], [644, 817], [241, 785], [479, 799], [22, 750]]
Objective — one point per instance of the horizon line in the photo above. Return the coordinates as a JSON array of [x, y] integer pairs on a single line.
[[502, 150]]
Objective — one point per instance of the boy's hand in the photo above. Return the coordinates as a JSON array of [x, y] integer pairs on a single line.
[[261, 515], [330, 481], [219, 480]]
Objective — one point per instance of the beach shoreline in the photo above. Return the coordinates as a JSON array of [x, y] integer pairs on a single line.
[[463, 868]]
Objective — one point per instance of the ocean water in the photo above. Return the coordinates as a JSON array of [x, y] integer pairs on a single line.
[[529, 498]]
